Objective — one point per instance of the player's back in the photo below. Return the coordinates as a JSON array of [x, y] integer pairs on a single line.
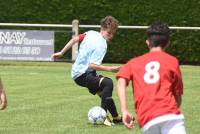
[[154, 76]]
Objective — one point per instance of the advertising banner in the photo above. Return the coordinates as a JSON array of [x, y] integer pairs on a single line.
[[32, 45]]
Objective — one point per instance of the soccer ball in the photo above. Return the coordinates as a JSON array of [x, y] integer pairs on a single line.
[[96, 115]]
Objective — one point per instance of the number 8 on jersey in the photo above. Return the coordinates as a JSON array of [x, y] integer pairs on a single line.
[[152, 75]]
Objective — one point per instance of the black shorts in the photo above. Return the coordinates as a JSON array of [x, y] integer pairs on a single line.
[[90, 80]]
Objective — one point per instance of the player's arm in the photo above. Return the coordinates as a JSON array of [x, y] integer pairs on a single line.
[[178, 100], [72, 42], [121, 92], [104, 68], [178, 85], [66, 47]]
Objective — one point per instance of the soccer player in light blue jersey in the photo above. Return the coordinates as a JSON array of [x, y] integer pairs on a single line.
[[92, 50]]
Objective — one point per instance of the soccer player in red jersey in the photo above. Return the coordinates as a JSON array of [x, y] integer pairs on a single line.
[[157, 86]]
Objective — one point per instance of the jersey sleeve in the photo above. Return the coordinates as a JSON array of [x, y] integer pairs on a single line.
[[178, 83], [81, 37], [125, 72]]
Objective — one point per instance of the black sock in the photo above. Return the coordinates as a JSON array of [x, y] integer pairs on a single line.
[[108, 104]]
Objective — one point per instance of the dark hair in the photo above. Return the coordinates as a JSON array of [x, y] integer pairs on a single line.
[[109, 23], [158, 34]]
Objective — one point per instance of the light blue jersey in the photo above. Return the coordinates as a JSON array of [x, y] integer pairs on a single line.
[[92, 50]]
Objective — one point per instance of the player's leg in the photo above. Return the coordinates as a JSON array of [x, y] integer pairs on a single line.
[[91, 81], [3, 99], [102, 86], [106, 95], [107, 102], [173, 127]]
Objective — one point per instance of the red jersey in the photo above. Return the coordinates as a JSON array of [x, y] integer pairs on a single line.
[[156, 79]]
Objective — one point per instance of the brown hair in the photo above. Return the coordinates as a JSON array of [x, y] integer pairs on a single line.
[[109, 23], [158, 34]]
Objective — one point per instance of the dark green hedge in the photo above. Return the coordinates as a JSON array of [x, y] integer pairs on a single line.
[[127, 43]]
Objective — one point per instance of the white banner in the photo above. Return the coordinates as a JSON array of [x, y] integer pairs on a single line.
[[34, 45]]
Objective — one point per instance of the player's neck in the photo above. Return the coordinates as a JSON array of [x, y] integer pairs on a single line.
[[156, 49]]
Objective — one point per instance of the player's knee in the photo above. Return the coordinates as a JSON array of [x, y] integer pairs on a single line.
[[107, 83], [107, 88]]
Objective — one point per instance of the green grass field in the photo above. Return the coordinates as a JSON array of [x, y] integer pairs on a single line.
[[42, 99]]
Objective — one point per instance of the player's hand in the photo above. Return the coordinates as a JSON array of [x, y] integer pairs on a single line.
[[114, 68], [128, 120], [57, 55], [3, 100]]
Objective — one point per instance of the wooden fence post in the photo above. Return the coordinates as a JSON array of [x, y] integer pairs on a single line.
[[75, 30]]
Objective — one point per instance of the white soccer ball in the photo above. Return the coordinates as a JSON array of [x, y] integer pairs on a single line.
[[96, 115]]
